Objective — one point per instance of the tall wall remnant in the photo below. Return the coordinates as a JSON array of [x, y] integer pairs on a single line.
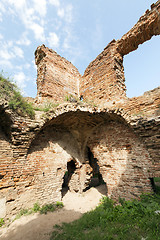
[[122, 135], [103, 80], [56, 77], [104, 77]]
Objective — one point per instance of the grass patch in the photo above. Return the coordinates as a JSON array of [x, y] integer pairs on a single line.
[[1, 222], [10, 92], [157, 179], [132, 220], [46, 107], [36, 208], [50, 207]]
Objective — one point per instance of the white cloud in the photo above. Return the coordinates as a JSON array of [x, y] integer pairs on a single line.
[[1, 36], [20, 79], [40, 7], [1, 18], [66, 13], [53, 40], [56, 3], [2, 11], [69, 13], [61, 12], [17, 4], [5, 63], [27, 65], [38, 31], [24, 40], [6, 54], [18, 52], [31, 14]]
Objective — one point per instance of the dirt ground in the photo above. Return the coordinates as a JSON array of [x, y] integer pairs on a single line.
[[40, 227]]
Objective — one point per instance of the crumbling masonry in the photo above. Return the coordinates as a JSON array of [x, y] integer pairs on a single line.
[[121, 134]]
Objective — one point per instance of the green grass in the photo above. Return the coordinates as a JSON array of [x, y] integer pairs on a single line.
[[36, 208], [48, 106], [10, 92], [1, 222], [157, 179], [50, 207], [130, 220]]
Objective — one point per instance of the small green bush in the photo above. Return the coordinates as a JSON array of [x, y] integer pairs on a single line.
[[36, 207], [47, 208], [59, 204], [11, 93], [17, 102], [22, 213], [1, 222]]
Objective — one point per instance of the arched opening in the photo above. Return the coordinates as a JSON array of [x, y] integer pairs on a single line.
[[96, 178], [71, 167], [142, 69]]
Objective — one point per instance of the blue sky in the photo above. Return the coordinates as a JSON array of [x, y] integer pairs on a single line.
[[77, 30]]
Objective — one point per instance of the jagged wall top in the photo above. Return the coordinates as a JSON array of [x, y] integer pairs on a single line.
[[103, 81], [56, 77]]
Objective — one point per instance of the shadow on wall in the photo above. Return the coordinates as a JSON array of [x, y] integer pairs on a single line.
[[123, 160], [51, 135], [114, 151]]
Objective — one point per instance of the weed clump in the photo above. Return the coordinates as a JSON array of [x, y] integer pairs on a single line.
[[10, 92], [36, 208], [47, 208], [50, 207], [46, 107], [1, 222]]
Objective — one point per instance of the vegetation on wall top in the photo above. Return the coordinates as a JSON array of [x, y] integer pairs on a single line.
[[10, 92]]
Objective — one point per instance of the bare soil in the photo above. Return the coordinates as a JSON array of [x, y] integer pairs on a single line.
[[40, 227]]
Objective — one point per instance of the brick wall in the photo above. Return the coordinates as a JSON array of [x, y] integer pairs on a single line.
[[123, 160], [56, 77], [34, 159], [103, 80]]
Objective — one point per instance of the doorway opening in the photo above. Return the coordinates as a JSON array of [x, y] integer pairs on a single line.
[[71, 167], [97, 178]]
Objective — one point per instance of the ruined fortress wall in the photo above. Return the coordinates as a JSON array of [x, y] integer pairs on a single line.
[[123, 160], [49, 154], [147, 105], [6, 162], [34, 154], [56, 77], [147, 26], [35, 158], [146, 109], [149, 132], [103, 80]]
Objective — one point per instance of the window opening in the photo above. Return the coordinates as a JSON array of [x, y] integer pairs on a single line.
[[71, 167], [142, 68]]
